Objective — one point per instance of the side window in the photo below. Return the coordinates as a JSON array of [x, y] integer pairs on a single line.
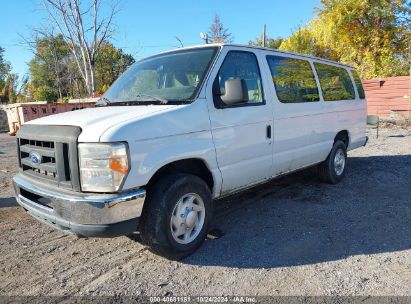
[[358, 83], [293, 79], [244, 66], [335, 82]]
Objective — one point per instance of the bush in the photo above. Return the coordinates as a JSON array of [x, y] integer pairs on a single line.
[[45, 93]]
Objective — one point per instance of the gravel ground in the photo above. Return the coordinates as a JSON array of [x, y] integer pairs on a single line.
[[292, 236]]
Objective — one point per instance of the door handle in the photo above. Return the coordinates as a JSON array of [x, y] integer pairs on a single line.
[[269, 131]]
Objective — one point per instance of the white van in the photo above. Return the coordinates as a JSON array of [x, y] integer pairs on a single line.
[[182, 128]]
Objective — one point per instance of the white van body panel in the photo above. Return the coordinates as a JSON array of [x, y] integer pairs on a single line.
[[182, 132], [95, 121], [304, 133], [232, 142], [156, 135]]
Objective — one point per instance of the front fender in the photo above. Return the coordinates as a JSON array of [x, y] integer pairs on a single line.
[[148, 156]]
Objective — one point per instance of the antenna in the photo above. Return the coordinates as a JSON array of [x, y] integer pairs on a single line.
[[179, 40]]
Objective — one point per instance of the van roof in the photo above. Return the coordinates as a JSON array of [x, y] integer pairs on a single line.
[[266, 49]]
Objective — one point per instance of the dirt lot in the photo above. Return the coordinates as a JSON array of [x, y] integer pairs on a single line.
[[293, 236]]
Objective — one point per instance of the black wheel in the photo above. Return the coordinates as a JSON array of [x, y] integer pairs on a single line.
[[176, 216], [332, 170]]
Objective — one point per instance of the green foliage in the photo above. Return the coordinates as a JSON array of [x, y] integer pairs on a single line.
[[49, 71], [22, 95], [303, 41], [9, 91], [54, 73], [269, 42], [110, 63], [4, 68], [8, 81], [368, 34], [45, 93]]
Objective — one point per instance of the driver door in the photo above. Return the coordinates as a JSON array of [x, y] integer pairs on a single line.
[[242, 132]]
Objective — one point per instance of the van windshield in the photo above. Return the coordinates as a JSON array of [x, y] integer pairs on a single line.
[[170, 78]]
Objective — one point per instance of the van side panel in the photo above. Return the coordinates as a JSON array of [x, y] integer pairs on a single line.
[[350, 116], [300, 136], [304, 132]]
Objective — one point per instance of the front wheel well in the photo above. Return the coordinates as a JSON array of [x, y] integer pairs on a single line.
[[343, 136], [192, 166]]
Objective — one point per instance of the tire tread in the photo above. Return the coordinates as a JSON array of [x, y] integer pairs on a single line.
[[326, 168], [155, 212]]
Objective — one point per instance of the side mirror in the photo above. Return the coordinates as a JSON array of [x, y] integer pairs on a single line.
[[235, 92]]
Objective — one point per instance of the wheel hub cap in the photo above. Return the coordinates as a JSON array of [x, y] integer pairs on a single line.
[[187, 218], [339, 162], [191, 219]]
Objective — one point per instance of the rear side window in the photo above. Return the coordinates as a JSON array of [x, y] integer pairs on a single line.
[[335, 82], [293, 79], [358, 83]]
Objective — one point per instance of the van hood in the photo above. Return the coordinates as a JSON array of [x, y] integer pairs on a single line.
[[97, 120]]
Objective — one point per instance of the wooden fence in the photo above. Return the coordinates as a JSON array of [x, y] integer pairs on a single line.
[[388, 96]]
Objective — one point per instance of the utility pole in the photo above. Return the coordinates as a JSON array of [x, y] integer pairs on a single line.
[[264, 35]]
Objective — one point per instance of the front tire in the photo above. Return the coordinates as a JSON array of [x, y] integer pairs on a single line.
[[176, 216], [332, 170]]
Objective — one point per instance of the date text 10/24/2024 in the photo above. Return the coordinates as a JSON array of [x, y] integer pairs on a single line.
[[203, 299]]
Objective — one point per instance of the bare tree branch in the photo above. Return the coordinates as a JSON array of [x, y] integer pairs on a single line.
[[84, 30]]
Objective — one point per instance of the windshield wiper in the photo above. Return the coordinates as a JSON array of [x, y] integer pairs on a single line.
[[161, 100], [140, 99], [103, 101]]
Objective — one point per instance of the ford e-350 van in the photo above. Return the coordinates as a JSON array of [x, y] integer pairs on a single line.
[[182, 128]]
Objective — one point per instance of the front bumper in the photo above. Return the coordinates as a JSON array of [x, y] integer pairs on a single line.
[[87, 215]]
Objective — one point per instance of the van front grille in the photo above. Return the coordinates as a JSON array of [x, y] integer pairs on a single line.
[[45, 154], [49, 154]]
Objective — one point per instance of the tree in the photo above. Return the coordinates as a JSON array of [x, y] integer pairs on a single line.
[[49, 67], [23, 93], [368, 34], [269, 42], [4, 69], [8, 81], [84, 30], [217, 33], [110, 63], [54, 74], [9, 91], [45, 93], [304, 41]]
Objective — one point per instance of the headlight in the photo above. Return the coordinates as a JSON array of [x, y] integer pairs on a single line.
[[103, 166]]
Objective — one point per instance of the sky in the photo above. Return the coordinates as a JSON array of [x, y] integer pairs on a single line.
[[143, 28]]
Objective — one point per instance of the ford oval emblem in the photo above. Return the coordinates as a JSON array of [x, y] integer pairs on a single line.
[[35, 158]]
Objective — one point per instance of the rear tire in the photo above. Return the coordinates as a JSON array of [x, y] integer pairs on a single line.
[[332, 170], [176, 216]]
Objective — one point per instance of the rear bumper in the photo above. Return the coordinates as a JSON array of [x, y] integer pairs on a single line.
[[88, 215]]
